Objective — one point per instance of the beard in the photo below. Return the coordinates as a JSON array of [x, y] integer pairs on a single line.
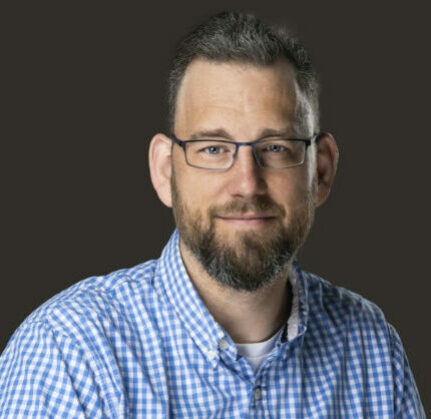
[[254, 260]]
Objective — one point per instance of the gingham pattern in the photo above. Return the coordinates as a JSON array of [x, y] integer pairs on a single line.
[[140, 343]]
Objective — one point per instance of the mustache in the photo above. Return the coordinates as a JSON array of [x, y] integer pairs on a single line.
[[259, 205]]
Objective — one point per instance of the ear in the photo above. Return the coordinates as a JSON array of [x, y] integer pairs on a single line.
[[326, 165], [160, 155]]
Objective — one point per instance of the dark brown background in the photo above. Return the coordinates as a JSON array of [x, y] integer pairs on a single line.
[[83, 92]]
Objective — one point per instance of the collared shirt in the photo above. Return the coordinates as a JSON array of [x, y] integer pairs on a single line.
[[140, 343]]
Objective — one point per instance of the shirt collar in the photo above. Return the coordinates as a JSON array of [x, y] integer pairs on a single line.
[[298, 319], [172, 280]]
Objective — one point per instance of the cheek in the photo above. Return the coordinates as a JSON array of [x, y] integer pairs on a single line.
[[290, 191], [196, 192]]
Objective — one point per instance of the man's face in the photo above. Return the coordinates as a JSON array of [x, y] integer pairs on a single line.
[[243, 224]]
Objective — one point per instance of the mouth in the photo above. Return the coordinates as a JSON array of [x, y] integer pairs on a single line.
[[247, 219]]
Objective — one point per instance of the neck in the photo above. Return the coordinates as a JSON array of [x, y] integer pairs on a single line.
[[247, 317]]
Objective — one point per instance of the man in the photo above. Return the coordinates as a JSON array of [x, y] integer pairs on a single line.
[[225, 324]]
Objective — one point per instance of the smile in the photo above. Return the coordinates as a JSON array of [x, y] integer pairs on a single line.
[[247, 220]]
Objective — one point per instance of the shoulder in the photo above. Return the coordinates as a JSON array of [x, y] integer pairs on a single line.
[[350, 332], [73, 345], [78, 341], [328, 294], [338, 311], [345, 327], [80, 309]]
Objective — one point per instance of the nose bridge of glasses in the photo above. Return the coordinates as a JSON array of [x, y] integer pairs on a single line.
[[251, 144]]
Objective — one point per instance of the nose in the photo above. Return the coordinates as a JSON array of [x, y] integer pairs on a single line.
[[246, 177]]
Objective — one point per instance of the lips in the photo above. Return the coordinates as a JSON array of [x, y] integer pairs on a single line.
[[246, 217]]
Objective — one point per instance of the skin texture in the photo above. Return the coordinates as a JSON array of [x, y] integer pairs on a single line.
[[245, 211]]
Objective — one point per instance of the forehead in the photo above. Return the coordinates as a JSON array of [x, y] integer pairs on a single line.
[[240, 98]]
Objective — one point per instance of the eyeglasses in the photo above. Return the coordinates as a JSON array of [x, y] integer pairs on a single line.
[[269, 154]]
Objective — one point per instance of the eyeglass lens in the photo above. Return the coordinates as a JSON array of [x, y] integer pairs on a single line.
[[276, 154]]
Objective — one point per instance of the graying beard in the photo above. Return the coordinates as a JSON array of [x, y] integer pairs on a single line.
[[225, 267]]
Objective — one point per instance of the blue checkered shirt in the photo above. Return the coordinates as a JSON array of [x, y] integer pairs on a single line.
[[140, 343]]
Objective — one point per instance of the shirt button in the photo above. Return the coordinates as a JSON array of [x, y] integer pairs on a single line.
[[223, 344], [257, 393], [211, 355]]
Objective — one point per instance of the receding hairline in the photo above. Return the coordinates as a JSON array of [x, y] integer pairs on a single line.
[[303, 107], [234, 35]]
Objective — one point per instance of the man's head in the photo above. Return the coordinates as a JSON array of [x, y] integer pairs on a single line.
[[244, 224]]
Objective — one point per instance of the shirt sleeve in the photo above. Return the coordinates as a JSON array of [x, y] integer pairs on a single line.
[[43, 374], [407, 402]]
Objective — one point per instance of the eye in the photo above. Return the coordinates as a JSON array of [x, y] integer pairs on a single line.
[[212, 149], [275, 148]]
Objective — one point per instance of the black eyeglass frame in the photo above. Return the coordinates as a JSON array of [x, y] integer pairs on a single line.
[[182, 143]]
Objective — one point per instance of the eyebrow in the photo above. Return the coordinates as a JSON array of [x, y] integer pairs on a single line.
[[217, 133], [221, 133]]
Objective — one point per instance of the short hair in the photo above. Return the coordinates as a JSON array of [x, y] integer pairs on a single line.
[[238, 36]]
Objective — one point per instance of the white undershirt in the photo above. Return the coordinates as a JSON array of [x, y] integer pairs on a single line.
[[257, 352]]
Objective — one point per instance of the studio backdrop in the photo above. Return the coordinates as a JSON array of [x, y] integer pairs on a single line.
[[83, 92]]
